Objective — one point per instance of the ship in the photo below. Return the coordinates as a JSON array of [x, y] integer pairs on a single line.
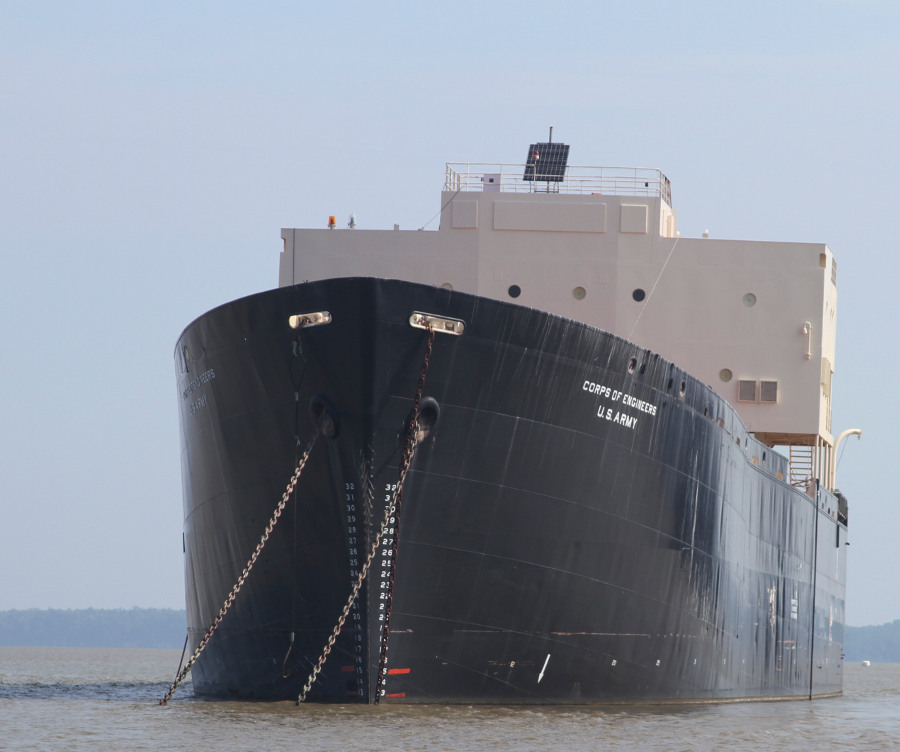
[[552, 453]]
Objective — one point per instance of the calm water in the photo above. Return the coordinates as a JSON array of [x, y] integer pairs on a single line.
[[92, 699]]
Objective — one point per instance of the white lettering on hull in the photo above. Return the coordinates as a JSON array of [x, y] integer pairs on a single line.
[[203, 378], [614, 395]]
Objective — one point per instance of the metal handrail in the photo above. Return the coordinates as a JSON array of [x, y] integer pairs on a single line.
[[578, 180]]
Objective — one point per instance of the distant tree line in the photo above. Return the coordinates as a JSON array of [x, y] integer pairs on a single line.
[[879, 644], [94, 628], [165, 628]]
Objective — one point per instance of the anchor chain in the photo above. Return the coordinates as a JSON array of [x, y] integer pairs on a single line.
[[405, 463], [408, 452], [240, 582]]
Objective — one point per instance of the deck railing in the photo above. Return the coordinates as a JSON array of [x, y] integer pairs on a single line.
[[577, 180]]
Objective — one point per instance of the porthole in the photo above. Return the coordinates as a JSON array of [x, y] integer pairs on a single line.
[[725, 374], [514, 291], [749, 300], [447, 286], [578, 293], [639, 295]]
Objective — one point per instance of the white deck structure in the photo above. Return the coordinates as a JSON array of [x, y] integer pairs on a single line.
[[754, 320]]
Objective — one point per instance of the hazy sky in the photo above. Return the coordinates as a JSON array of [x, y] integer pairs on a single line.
[[151, 152]]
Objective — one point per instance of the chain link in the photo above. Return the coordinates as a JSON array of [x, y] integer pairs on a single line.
[[394, 504], [236, 589]]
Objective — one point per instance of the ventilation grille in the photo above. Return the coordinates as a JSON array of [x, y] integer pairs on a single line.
[[746, 391], [768, 391]]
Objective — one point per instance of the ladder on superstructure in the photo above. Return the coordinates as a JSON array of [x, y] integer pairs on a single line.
[[801, 459]]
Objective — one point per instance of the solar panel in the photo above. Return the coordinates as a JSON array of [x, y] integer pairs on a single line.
[[547, 162]]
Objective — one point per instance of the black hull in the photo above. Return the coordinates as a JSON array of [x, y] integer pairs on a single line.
[[652, 561]]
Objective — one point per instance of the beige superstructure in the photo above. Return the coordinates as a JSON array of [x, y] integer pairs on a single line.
[[755, 320]]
